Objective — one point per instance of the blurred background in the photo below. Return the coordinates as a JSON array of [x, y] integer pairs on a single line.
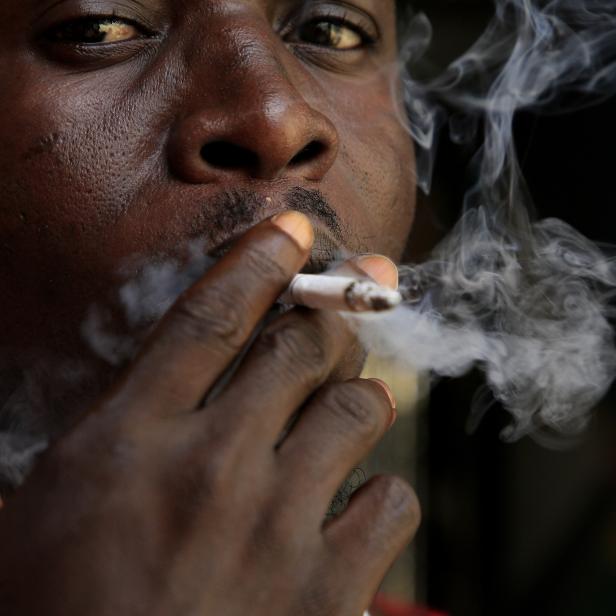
[[508, 528]]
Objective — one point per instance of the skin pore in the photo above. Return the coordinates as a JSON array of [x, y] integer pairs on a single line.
[[130, 128]]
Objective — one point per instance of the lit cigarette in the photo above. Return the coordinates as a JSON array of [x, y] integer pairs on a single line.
[[340, 293]]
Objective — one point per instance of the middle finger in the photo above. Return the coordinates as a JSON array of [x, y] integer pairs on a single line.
[[289, 360]]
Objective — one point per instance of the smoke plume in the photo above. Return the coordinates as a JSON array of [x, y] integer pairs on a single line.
[[526, 301]]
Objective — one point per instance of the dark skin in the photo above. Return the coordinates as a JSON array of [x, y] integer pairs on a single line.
[[119, 136]]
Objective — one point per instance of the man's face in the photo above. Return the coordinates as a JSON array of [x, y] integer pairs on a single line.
[[129, 127]]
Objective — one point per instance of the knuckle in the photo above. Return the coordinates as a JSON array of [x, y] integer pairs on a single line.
[[298, 347], [358, 408], [276, 531], [282, 529], [218, 468], [214, 314], [399, 502], [190, 488], [200, 480], [322, 599]]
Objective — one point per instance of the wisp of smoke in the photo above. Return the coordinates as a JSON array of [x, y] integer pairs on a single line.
[[527, 302], [144, 299]]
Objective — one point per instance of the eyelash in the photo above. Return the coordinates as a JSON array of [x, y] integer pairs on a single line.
[[343, 21]]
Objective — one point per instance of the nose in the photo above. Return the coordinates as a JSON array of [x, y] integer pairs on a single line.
[[253, 123]]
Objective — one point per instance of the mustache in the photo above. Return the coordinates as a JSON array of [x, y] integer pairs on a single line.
[[234, 210]]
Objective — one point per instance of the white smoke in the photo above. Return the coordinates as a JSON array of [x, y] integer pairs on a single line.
[[527, 302], [144, 298]]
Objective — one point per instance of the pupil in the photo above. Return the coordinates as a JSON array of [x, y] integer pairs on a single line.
[[94, 34], [323, 33], [93, 31]]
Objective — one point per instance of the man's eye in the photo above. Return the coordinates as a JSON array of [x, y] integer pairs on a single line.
[[332, 34], [94, 30]]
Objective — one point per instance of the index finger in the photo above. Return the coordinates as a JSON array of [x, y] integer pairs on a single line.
[[210, 324]]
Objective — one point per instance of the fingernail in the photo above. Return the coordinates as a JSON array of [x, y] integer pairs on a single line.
[[392, 399], [297, 226], [380, 268]]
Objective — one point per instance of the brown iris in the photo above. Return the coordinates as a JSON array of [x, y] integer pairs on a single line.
[[330, 34], [88, 31]]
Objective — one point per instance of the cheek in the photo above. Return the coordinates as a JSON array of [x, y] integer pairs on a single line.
[[71, 165], [69, 169], [377, 157]]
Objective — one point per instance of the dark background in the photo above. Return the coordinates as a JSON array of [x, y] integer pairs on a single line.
[[517, 528]]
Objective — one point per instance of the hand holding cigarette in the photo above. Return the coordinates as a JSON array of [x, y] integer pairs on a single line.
[[154, 484]]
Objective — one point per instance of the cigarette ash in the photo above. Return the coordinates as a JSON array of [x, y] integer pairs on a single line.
[[363, 295], [527, 301]]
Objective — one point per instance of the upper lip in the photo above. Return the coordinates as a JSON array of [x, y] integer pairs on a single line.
[[325, 250], [329, 238], [214, 216]]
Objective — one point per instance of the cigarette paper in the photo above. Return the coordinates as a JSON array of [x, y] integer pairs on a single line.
[[341, 293]]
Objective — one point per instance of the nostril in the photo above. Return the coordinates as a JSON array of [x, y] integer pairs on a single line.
[[226, 155], [313, 150]]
